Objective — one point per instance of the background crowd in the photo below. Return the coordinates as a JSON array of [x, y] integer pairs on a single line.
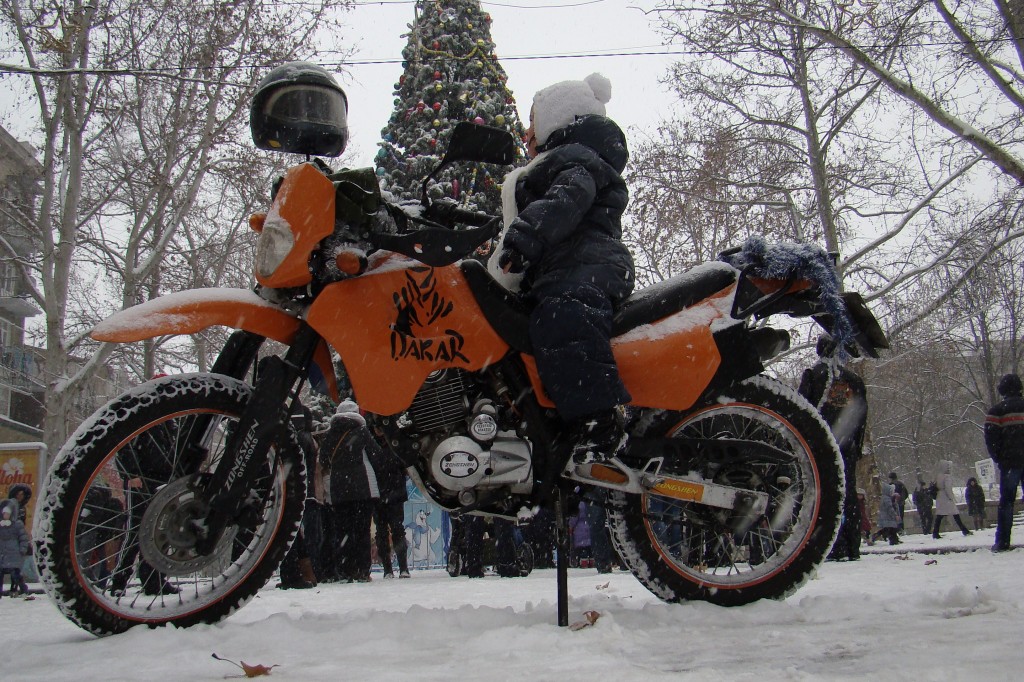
[[354, 482]]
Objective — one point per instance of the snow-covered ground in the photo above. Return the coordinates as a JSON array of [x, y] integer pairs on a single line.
[[907, 616]]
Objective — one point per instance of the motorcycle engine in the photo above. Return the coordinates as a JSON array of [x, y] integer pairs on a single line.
[[467, 446]]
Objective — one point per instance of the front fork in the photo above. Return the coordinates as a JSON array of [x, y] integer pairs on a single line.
[[263, 423]]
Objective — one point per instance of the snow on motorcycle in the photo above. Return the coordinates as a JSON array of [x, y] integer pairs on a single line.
[[730, 490]]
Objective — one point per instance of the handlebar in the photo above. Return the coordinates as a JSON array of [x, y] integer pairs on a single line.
[[448, 212]]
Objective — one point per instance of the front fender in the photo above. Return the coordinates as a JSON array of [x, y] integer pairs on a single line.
[[189, 312]]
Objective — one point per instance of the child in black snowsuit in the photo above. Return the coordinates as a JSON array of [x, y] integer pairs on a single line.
[[563, 215]]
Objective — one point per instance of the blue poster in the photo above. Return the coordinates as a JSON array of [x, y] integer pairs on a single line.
[[427, 530]]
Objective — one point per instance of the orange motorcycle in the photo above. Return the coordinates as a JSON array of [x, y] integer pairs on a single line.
[[730, 490]]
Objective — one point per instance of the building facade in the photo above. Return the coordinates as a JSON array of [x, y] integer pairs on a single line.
[[22, 385]]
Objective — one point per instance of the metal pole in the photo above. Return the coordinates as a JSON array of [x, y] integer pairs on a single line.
[[562, 562]]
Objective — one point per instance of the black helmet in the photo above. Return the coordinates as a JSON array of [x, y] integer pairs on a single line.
[[299, 108]]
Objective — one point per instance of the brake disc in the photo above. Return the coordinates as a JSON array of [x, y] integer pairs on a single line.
[[168, 536]]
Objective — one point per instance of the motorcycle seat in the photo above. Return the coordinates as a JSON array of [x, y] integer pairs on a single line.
[[672, 295], [509, 314]]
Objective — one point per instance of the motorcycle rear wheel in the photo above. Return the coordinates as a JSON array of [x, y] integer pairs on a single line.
[[94, 532], [684, 551]]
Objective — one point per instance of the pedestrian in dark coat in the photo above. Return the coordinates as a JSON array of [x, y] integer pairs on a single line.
[[945, 502], [145, 467], [974, 495], [865, 518], [600, 542], [839, 394], [903, 493], [389, 514], [564, 235], [13, 545], [540, 534], [924, 503], [467, 546], [1004, 438], [297, 567], [348, 447]]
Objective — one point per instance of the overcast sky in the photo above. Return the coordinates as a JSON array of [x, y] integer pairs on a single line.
[[519, 28], [528, 36]]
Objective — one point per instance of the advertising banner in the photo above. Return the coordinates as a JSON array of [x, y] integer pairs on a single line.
[[987, 476], [25, 464]]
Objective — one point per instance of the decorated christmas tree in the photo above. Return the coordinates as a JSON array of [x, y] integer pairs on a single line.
[[451, 74]]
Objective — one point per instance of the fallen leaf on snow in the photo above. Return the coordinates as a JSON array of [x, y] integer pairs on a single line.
[[902, 557], [931, 562], [591, 618], [605, 586], [258, 670]]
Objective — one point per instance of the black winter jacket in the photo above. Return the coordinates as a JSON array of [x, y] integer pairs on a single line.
[[390, 478], [974, 495], [1004, 432], [845, 408], [570, 203], [349, 449]]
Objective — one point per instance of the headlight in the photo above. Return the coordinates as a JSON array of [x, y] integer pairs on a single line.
[[276, 241]]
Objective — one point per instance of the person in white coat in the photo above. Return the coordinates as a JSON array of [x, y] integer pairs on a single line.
[[945, 503]]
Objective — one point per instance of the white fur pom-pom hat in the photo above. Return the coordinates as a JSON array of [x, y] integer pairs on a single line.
[[558, 105]]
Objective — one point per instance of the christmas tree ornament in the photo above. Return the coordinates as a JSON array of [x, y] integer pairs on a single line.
[[438, 87], [499, 119], [478, 120], [437, 106], [437, 75], [420, 105]]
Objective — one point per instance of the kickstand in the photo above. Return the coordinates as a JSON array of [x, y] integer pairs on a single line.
[[562, 555]]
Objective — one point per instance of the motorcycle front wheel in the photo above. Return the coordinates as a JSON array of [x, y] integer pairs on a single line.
[[686, 551], [107, 553]]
